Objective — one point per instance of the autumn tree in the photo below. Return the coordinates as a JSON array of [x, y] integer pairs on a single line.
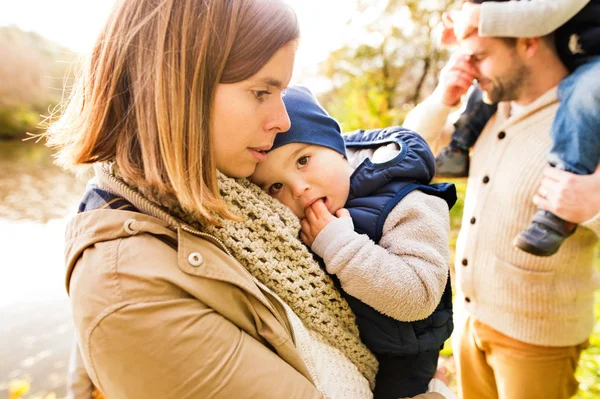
[[375, 81]]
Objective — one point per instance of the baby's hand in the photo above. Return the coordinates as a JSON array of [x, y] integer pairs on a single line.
[[317, 217]]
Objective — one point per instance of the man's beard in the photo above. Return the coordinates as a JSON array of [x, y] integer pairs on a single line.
[[506, 88]]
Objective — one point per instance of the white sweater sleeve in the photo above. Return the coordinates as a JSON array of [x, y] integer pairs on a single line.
[[405, 275], [593, 224], [526, 18], [431, 119]]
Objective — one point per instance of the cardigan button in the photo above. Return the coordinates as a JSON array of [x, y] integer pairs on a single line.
[[486, 180], [195, 259], [465, 262], [473, 220], [467, 299], [501, 135]]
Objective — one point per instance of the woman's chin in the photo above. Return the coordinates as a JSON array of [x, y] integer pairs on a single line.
[[238, 171]]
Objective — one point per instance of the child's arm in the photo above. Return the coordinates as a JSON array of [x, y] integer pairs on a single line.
[[521, 18], [405, 275]]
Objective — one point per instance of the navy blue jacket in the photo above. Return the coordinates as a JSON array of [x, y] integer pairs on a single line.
[[375, 189]]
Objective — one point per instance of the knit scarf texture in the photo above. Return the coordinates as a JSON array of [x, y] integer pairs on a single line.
[[266, 243]]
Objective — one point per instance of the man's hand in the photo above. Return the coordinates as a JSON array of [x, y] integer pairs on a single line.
[[455, 79], [317, 217], [575, 198]]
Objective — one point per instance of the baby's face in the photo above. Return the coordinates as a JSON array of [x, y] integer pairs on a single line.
[[299, 174]]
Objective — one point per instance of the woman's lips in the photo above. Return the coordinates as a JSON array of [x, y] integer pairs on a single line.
[[259, 155]]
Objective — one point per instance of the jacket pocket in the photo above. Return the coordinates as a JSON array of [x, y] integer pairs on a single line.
[[516, 289], [518, 273]]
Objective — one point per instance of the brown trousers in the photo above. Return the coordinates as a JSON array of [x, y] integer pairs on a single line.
[[492, 365]]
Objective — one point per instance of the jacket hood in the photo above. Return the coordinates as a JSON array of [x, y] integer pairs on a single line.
[[413, 162]]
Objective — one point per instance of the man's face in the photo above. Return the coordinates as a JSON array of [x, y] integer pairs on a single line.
[[501, 72]]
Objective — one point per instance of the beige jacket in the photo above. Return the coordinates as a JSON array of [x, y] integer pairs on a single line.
[[164, 313], [132, 292]]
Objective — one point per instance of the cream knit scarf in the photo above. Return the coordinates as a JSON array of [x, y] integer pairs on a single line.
[[266, 243]]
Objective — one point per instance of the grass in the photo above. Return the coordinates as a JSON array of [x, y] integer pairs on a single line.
[[588, 371]]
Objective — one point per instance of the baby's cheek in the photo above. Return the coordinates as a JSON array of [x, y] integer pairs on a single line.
[[299, 212]]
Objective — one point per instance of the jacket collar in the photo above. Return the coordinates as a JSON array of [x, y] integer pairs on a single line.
[[89, 228], [505, 119]]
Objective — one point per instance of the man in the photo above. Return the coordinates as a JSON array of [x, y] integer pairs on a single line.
[[521, 320]]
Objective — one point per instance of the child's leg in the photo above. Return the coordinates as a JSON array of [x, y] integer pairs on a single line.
[[471, 122], [453, 161], [575, 148], [576, 128]]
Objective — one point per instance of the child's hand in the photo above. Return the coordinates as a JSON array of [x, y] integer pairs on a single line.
[[317, 217], [447, 38], [466, 22]]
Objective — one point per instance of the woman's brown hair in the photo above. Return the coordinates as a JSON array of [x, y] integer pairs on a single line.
[[144, 96]]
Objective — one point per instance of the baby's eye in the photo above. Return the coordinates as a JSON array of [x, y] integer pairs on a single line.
[[302, 161], [275, 188]]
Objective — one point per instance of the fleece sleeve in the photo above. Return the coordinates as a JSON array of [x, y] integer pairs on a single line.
[[405, 275], [526, 18]]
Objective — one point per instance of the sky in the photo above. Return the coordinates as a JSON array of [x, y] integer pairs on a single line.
[[76, 23]]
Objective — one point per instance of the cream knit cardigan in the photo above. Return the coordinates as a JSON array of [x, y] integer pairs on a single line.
[[541, 301]]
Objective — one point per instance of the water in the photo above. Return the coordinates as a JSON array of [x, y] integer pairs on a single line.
[[36, 199]]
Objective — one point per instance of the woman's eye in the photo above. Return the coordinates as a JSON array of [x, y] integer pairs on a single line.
[[275, 188], [261, 94], [302, 161]]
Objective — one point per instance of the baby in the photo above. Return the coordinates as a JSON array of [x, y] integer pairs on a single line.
[[367, 209]]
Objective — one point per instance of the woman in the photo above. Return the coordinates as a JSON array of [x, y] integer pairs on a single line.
[[185, 282]]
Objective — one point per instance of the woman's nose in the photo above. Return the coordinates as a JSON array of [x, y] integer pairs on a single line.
[[280, 120]]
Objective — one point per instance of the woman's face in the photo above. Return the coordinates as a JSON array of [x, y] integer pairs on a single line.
[[247, 115]]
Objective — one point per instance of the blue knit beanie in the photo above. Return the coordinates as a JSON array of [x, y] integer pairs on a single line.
[[310, 123]]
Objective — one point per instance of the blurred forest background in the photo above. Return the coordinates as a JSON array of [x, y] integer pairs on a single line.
[[372, 82], [32, 73]]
